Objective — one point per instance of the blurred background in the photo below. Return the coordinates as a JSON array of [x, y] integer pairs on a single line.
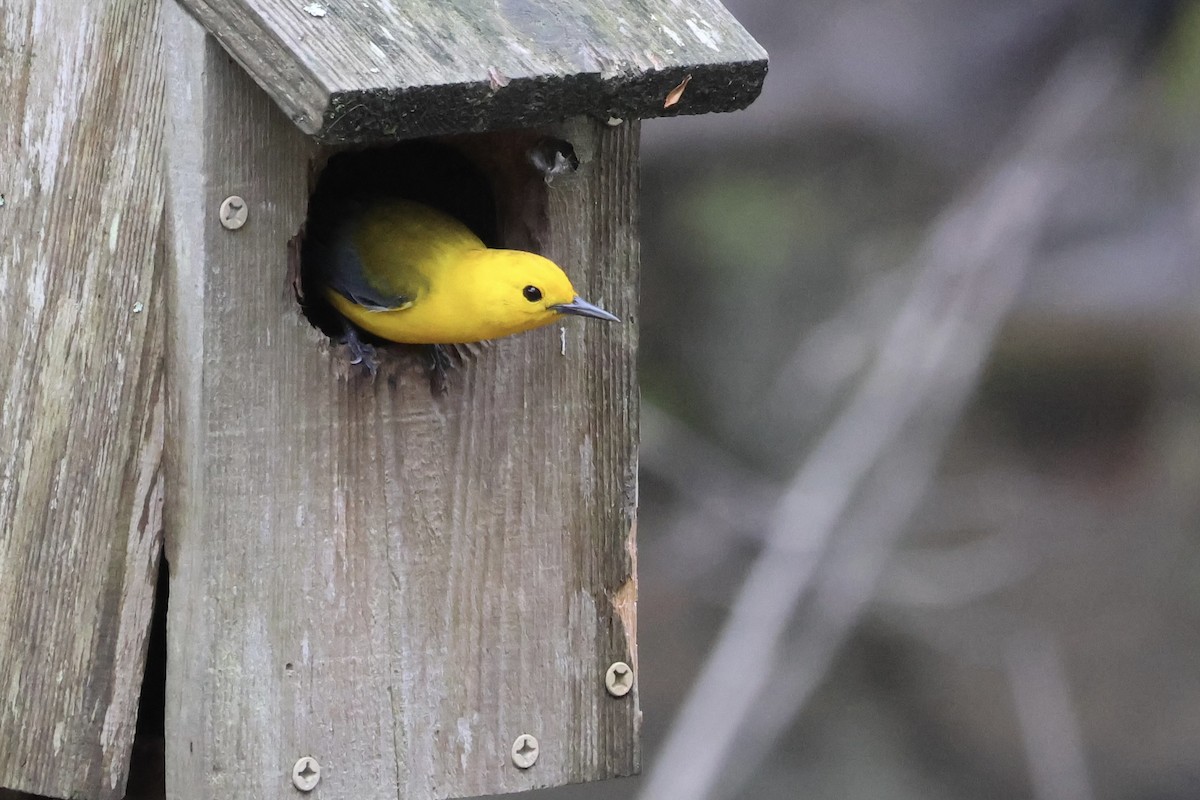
[[920, 366]]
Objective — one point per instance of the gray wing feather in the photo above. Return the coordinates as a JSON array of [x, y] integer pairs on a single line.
[[348, 278]]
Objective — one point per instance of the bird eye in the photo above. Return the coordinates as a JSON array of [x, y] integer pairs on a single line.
[[532, 293]]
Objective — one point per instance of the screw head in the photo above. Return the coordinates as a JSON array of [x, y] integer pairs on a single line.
[[306, 773], [619, 679], [234, 212], [524, 751]]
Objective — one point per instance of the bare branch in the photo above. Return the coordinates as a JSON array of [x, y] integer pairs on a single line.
[[929, 360], [1050, 730]]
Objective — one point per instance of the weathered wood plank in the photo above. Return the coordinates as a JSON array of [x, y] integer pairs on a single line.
[[356, 72], [81, 416], [392, 583]]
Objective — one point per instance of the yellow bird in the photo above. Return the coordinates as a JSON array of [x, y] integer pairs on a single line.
[[408, 273]]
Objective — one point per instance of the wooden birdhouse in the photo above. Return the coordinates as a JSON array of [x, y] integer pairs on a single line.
[[375, 589]]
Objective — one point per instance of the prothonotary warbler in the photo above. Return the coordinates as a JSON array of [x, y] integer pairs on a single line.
[[408, 273]]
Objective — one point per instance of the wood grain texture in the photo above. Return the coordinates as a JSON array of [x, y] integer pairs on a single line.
[[360, 72], [393, 583], [81, 418]]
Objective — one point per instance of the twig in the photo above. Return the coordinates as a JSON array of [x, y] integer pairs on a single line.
[[1050, 730], [1019, 510]]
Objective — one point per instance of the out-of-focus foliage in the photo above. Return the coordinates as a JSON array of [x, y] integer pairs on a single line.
[[755, 252], [1036, 633], [1181, 68]]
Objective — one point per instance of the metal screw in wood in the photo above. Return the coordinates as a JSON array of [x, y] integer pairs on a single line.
[[306, 773], [234, 212], [524, 751], [618, 679]]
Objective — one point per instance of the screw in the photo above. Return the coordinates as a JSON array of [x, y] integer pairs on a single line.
[[234, 212], [619, 679], [306, 773], [524, 751]]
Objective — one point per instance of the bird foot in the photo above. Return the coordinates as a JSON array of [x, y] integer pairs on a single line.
[[439, 365], [360, 351]]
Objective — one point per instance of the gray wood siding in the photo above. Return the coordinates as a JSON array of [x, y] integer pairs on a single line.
[[393, 583], [81, 398]]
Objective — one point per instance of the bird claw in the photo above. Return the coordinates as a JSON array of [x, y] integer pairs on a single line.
[[361, 352], [439, 366]]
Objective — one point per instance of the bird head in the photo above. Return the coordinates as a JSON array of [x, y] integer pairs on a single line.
[[523, 291]]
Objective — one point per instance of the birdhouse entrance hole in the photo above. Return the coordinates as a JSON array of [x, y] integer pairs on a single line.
[[495, 183], [434, 174]]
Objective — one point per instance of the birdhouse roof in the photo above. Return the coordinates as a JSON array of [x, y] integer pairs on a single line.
[[371, 70]]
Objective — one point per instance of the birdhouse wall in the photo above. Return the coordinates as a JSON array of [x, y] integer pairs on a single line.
[[393, 583], [81, 399]]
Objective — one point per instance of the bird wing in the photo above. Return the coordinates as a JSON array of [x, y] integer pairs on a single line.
[[387, 253], [348, 277]]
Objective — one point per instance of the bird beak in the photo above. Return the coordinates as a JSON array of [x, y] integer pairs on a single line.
[[583, 308]]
